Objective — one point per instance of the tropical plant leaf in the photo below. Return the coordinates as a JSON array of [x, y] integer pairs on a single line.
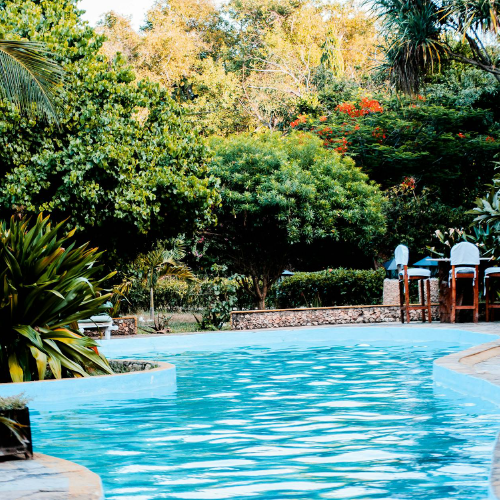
[[16, 371], [15, 428]]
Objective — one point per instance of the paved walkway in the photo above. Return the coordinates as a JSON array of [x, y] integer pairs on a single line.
[[48, 478]]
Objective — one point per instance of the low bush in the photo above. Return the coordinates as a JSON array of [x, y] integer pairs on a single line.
[[332, 287]]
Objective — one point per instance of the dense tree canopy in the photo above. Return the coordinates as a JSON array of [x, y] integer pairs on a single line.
[[256, 59], [122, 163], [280, 191]]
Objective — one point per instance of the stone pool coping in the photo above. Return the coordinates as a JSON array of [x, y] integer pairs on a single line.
[[164, 376], [48, 478]]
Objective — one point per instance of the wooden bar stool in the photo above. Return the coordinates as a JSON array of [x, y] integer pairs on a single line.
[[406, 275], [464, 265], [490, 272]]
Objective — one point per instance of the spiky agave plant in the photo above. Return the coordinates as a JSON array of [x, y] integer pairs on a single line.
[[47, 284]]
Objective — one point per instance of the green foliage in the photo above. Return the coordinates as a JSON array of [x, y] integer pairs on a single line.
[[280, 191], [48, 284], [171, 294], [419, 35], [159, 263], [123, 163], [414, 217], [217, 297], [332, 287], [414, 41], [486, 223]]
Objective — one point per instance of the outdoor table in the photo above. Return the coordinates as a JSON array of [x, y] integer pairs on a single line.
[[444, 291]]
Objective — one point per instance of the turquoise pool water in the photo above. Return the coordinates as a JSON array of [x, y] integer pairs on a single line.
[[344, 422]]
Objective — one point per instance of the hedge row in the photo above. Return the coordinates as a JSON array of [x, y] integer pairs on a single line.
[[332, 287]]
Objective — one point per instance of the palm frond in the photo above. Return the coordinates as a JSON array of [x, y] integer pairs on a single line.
[[15, 428], [28, 77]]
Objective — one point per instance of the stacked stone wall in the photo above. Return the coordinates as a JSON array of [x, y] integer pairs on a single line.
[[342, 315], [127, 325]]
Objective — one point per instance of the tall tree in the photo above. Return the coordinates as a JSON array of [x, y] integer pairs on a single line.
[[248, 63], [278, 192], [123, 164]]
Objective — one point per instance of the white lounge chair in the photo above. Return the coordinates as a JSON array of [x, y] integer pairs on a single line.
[[99, 321]]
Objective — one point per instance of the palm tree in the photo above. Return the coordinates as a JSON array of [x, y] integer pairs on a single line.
[[162, 262], [28, 78]]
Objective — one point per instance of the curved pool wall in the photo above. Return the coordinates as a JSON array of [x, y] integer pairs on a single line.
[[73, 391]]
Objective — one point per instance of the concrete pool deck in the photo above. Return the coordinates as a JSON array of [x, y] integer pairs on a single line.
[[49, 478]]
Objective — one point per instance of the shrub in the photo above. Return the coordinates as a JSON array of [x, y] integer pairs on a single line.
[[171, 295], [332, 287], [18, 402], [217, 297], [48, 284]]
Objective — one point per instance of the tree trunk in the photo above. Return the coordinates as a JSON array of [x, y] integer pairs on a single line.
[[261, 303], [151, 303]]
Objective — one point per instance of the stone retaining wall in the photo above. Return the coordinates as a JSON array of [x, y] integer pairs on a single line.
[[127, 325], [131, 365], [341, 315]]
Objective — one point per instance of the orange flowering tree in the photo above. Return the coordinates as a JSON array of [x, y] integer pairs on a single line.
[[445, 149]]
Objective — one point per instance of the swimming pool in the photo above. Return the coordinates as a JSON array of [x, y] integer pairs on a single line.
[[348, 420]]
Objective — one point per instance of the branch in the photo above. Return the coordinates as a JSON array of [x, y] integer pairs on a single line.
[[289, 91], [488, 68]]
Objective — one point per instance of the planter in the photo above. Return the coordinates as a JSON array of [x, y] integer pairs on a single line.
[[9, 444]]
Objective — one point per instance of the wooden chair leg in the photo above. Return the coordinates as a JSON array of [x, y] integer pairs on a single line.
[[453, 295], [422, 299], [407, 298], [487, 297], [401, 302], [429, 307], [476, 297]]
